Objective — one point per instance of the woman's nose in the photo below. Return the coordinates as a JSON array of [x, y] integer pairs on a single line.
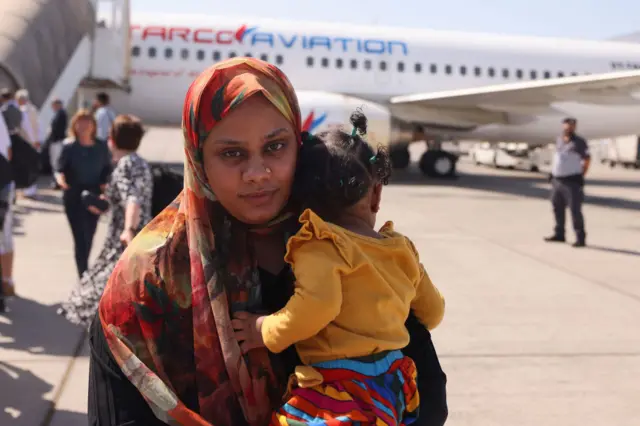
[[257, 171]]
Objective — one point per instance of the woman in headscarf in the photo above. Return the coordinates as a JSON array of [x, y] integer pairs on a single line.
[[163, 348]]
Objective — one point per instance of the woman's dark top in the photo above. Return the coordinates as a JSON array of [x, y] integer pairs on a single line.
[[115, 401], [85, 167]]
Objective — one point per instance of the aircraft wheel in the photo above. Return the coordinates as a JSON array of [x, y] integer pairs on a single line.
[[399, 156], [438, 164]]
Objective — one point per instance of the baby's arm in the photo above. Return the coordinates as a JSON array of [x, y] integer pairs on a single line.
[[428, 305], [317, 266]]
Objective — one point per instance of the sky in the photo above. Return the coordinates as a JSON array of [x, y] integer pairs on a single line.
[[585, 19]]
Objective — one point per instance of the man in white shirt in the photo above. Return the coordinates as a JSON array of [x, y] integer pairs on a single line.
[[7, 194], [30, 116], [104, 116]]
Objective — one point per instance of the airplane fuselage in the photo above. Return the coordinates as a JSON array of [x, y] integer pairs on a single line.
[[372, 64]]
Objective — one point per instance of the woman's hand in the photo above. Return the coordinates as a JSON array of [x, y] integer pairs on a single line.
[[94, 210], [126, 236], [61, 181], [248, 330]]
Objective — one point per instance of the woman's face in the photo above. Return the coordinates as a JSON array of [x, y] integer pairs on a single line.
[[84, 127], [250, 160]]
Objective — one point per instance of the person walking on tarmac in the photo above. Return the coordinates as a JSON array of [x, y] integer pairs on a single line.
[[570, 164]]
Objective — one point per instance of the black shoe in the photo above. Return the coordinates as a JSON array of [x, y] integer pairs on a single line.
[[579, 244], [555, 239]]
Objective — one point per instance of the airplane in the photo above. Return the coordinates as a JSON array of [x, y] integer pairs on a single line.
[[413, 84]]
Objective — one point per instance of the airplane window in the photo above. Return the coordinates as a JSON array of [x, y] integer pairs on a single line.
[[383, 66], [325, 62], [339, 63], [309, 61], [574, 73], [519, 73], [505, 73], [168, 53], [447, 69], [216, 55], [533, 75], [354, 64], [264, 57], [418, 67], [248, 55], [491, 72], [152, 52], [135, 51], [463, 70], [184, 53], [477, 71], [279, 59], [367, 64], [232, 54], [200, 55], [433, 68], [547, 74], [560, 74], [401, 66]]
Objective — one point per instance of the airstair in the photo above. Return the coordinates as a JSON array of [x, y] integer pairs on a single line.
[[53, 47]]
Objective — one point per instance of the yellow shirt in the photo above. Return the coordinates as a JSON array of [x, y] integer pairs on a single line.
[[353, 293]]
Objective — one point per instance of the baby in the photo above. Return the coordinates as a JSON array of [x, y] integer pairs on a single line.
[[354, 289]]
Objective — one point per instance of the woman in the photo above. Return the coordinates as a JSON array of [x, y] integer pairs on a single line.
[[129, 195], [163, 348], [84, 165]]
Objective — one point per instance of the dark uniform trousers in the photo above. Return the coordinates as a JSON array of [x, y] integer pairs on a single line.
[[568, 191]]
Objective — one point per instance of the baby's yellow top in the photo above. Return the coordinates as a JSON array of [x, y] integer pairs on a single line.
[[352, 295]]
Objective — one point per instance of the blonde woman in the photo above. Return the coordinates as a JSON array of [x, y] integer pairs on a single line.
[[84, 165]]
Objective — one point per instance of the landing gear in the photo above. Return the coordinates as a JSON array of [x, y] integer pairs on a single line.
[[434, 163], [438, 164], [400, 157]]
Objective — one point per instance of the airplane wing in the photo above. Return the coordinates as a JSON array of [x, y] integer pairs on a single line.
[[509, 103]]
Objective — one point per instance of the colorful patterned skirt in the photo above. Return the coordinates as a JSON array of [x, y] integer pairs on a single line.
[[376, 390]]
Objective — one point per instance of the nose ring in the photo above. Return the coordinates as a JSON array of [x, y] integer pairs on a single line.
[[268, 170]]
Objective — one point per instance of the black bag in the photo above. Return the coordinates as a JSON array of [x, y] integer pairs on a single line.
[[25, 162], [167, 184], [91, 199]]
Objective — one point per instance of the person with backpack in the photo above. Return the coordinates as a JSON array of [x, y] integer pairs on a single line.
[[25, 160], [104, 115]]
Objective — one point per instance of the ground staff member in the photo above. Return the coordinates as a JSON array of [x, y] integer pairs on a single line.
[[570, 164]]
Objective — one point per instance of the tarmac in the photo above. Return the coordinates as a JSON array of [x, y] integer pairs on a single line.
[[533, 334]]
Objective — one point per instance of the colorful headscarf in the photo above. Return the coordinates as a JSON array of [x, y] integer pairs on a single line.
[[166, 310]]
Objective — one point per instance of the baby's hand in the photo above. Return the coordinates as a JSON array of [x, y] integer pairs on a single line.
[[247, 329]]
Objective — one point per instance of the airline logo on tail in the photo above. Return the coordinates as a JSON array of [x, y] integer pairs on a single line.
[[312, 122]]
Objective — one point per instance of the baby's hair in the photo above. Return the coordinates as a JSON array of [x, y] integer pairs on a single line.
[[336, 169]]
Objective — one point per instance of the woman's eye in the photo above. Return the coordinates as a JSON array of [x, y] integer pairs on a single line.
[[231, 154], [275, 146]]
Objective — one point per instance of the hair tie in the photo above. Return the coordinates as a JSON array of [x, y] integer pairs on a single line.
[[373, 159], [354, 132]]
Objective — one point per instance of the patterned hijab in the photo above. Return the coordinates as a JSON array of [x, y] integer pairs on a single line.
[[166, 311]]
